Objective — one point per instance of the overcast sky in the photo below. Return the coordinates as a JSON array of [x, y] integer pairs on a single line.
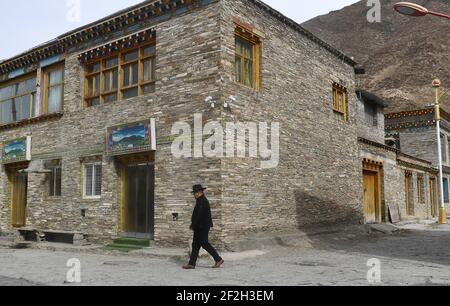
[[27, 23]]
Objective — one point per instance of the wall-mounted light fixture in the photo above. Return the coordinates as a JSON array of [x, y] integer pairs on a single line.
[[228, 103], [210, 101]]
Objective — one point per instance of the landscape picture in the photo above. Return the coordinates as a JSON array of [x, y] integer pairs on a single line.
[[15, 149], [129, 138]]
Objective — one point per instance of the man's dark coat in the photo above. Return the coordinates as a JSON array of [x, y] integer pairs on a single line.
[[201, 218]]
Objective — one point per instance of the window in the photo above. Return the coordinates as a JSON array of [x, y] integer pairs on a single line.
[[125, 75], [421, 189], [247, 59], [443, 148], [371, 113], [54, 89], [446, 193], [54, 181], [18, 100], [340, 100], [92, 180]]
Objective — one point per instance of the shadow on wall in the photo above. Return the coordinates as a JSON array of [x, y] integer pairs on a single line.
[[312, 210]]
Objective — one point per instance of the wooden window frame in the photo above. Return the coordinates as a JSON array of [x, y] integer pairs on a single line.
[[28, 93], [93, 164], [53, 170], [340, 91], [120, 73], [46, 72], [255, 42]]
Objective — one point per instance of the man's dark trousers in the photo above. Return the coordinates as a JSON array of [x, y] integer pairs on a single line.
[[201, 240]]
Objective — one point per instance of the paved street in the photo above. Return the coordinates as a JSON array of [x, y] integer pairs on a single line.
[[410, 258]]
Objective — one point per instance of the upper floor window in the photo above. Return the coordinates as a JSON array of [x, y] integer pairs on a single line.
[[18, 100], [125, 75], [247, 59], [340, 100], [53, 89], [371, 114]]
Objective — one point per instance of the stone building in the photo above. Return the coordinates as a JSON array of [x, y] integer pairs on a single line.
[[393, 182], [414, 132], [93, 123]]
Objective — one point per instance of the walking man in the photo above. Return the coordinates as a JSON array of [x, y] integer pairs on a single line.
[[201, 225]]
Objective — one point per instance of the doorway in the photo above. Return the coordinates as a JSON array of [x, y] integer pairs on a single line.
[[138, 208], [433, 198], [371, 210], [372, 191], [18, 182]]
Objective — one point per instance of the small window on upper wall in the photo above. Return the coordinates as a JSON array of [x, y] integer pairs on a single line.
[[340, 101], [128, 74], [54, 89], [247, 58]]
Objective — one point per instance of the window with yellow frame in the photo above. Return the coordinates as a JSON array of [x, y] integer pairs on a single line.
[[53, 96], [340, 100], [121, 76], [247, 58]]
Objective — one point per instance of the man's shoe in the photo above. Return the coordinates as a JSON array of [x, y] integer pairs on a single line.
[[218, 264], [188, 267]]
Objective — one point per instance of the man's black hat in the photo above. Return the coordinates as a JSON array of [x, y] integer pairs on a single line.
[[198, 188]]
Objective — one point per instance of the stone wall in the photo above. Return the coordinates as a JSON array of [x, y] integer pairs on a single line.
[[317, 180], [188, 58]]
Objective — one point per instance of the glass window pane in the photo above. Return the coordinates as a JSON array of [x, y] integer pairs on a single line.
[[238, 68], [98, 180], [135, 71], [130, 93], [248, 71], [58, 178], [55, 77], [110, 80], [51, 183], [15, 110], [35, 106], [93, 102], [25, 107], [147, 51], [93, 85], [126, 76], [30, 85], [111, 62], [88, 180], [110, 98], [148, 70], [446, 191], [5, 92], [133, 55], [54, 99], [93, 68], [6, 109]]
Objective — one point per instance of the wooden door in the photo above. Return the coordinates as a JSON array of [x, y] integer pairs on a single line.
[[19, 183], [433, 197], [370, 196]]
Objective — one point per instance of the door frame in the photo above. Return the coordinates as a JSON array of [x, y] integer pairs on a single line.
[[123, 162], [433, 197], [11, 172], [375, 168]]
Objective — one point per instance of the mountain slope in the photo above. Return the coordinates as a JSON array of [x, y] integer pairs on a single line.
[[401, 54]]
